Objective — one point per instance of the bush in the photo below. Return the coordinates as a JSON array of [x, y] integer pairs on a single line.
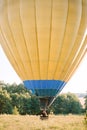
[[67, 103]]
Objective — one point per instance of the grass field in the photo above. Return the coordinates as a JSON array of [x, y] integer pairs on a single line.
[[61, 122]]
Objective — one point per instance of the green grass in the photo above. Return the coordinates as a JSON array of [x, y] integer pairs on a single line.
[[61, 122]]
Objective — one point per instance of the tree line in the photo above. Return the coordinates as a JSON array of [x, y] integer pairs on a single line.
[[16, 99]]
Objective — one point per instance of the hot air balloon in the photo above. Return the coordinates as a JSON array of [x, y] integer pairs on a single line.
[[43, 41]]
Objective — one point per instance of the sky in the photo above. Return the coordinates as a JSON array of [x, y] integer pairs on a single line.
[[7, 73], [77, 84]]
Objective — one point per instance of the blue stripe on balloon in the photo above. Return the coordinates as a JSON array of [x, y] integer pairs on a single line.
[[34, 85]]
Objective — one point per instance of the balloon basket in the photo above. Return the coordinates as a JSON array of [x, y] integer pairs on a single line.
[[44, 118], [44, 115]]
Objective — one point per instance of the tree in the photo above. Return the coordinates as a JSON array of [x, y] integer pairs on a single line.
[[34, 105], [15, 111], [5, 103], [30, 106], [14, 88], [67, 103], [20, 99], [59, 105], [74, 106], [86, 102]]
